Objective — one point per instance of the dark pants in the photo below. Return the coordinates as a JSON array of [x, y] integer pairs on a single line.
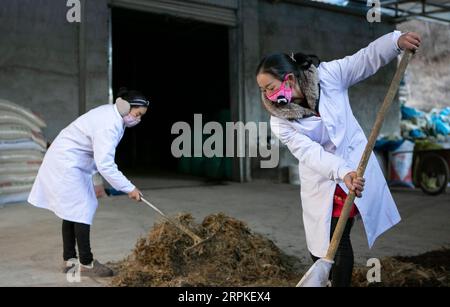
[[341, 272], [76, 233]]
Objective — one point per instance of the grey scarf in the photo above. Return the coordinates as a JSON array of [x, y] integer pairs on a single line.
[[309, 85]]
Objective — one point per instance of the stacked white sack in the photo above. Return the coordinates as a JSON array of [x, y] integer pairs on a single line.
[[22, 148]]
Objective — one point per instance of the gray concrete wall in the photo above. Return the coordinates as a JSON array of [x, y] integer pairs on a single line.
[[97, 35], [331, 35], [39, 58]]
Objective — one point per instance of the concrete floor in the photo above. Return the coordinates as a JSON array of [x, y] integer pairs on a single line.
[[30, 238]]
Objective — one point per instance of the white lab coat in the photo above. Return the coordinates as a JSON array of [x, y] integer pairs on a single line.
[[321, 167], [64, 182]]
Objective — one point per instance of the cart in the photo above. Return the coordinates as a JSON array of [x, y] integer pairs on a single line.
[[431, 170], [430, 164]]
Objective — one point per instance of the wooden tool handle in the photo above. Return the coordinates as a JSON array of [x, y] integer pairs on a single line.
[[337, 235], [194, 237]]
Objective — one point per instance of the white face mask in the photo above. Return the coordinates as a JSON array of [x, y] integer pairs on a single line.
[[131, 120]]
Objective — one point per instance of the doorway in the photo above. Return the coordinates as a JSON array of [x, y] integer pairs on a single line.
[[182, 66]]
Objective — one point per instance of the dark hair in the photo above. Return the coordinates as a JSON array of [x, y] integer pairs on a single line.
[[281, 64], [131, 96]]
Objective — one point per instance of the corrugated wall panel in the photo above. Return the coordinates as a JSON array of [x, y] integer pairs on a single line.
[[217, 12]]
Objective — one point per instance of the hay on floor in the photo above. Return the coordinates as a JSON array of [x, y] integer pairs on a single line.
[[431, 269], [234, 256]]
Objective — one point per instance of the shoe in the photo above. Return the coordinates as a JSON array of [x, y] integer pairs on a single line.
[[68, 265], [96, 269]]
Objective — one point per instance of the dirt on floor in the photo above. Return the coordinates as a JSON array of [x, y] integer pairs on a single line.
[[431, 269], [233, 256]]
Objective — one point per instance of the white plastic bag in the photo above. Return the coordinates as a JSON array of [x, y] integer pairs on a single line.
[[400, 162]]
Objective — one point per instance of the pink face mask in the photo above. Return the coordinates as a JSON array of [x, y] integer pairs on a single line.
[[131, 121], [283, 95]]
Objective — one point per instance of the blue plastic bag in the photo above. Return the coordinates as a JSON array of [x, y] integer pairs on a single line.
[[441, 127], [445, 112], [386, 144], [417, 134], [410, 113]]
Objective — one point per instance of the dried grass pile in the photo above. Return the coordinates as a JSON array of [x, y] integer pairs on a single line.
[[234, 256], [431, 269]]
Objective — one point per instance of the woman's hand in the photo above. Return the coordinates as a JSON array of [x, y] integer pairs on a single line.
[[409, 41], [354, 183], [135, 194]]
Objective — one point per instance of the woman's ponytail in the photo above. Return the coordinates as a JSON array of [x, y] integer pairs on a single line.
[[304, 61]]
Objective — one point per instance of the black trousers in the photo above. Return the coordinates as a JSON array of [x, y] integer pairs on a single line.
[[76, 234], [341, 272]]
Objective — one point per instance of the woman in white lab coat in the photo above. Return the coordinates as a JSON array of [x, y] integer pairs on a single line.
[[311, 115], [64, 182]]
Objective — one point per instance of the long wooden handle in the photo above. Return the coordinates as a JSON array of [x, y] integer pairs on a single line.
[[194, 237], [337, 235]]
